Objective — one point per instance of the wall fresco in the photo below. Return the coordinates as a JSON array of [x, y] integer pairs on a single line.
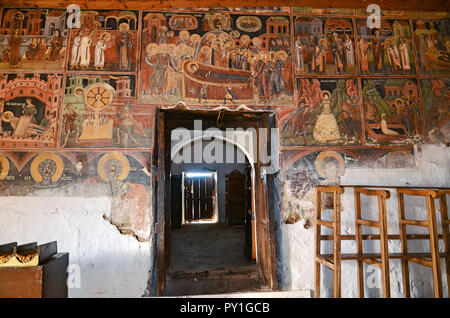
[[221, 58], [106, 41], [324, 46], [101, 111], [78, 105], [433, 46], [387, 50], [33, 39], [392, 110], [436, 108], [29, 109], [327, 114]]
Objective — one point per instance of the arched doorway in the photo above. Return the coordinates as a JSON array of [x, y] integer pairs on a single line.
[[262, 194]]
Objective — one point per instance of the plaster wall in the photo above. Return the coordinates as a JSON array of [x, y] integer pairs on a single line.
[[103, 262]]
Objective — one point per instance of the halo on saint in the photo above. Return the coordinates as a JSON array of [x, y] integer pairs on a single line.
[[47, 166], [325, 156], [323, 41], [4, 167], [123, 27], [7, 116], [325, 92], [113, 165]]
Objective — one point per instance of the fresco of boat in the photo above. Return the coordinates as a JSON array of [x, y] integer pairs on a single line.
[[216, 82], [374, 132], [436, 59]]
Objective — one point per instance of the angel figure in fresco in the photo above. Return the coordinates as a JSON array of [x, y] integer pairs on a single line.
[[125, 47], [364, 55], [326, 128], [404, 55]]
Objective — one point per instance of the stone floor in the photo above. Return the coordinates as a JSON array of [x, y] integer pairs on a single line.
[[207, 247]]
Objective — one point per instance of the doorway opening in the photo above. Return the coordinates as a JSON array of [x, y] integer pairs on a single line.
[[215, 233], [199, 193]]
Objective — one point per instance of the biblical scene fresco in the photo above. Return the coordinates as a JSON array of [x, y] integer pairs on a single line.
[[33, 39], [327, 114], [101, 111], [324, 46], [105, 41], [29, 109], [436, 108], [392, 110], [386, 50], [205, 58], [432, 39]]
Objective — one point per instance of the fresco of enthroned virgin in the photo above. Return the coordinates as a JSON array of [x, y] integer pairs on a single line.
[[216, 58]]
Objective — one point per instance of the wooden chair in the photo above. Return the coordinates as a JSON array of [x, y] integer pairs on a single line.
[[433, 258], [445, 230], [381, 224], [335, 265]]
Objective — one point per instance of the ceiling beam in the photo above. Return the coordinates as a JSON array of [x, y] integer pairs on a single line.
[[395, 5]]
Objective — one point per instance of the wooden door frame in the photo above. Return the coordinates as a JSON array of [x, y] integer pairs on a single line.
[[165, 123]]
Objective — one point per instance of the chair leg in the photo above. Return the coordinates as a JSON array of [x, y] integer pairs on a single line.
[[337, 244], [317, 247], [359, 246], [445, 235], [404, 244], [434, 248], [384, 247]]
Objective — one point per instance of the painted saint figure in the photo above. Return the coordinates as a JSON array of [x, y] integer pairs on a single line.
[[14, 43], [377, 49], [125, 47], [337, 48], [394, 57], [319, 57], [326, 128], [364, 55]]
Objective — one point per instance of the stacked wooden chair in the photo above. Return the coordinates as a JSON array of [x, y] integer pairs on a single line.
[[431, 259]]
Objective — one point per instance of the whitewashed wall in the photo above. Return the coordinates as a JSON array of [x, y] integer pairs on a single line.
[[111, 264]]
